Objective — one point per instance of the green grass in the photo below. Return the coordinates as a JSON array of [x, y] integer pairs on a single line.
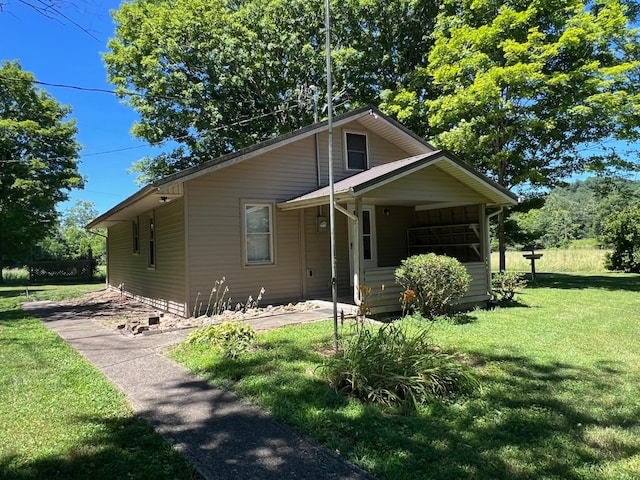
[[59, 417], [568, 260], [560, 397]]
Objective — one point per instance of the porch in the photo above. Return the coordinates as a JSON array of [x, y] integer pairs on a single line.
[[431, 203], [385, 292]]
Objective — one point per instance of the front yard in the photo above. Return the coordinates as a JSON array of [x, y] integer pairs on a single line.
[[560, 397], [59, 417]]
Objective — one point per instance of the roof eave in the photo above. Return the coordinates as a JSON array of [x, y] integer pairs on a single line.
[[139, 195]]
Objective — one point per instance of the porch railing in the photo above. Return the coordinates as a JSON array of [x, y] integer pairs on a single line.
[[387, 299]]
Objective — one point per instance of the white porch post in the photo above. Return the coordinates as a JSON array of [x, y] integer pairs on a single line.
[[358, 253], [353, 222]]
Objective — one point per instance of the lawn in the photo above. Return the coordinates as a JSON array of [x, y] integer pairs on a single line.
[[560, 396], [59, 417]]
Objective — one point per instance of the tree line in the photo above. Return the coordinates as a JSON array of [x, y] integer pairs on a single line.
[[572, 215]]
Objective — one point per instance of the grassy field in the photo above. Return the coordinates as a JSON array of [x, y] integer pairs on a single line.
[[587, 260], [59, 417], [560, 397]]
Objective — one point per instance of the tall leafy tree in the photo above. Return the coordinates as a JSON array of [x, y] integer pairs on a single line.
[[71, 240], [211, 76], [529, 91], [38, 161]]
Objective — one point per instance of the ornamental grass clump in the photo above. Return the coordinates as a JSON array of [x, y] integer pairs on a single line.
[[431, 283], [232, 338], [394, 366]]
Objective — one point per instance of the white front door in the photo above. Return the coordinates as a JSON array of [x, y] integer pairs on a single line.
[[369, 250]]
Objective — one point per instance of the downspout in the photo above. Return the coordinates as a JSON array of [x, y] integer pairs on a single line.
[[356, 252], [316, 136]]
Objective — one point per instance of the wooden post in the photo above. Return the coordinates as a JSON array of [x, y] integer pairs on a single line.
[[533, 256]]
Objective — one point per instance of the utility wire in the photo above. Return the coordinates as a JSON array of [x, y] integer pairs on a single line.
[[130, 93], [90, 89], [177, 139]]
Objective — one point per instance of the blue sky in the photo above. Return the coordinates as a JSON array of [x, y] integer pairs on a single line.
[[59, 52]]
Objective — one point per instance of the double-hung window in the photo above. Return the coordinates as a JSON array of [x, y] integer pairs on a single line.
[[258, 228], [152, 243], [135, 227], [356, 148]]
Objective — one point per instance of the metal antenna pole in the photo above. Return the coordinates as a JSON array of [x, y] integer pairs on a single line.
[[332, 215]]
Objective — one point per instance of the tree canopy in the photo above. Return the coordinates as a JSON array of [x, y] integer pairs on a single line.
[[38, 159], [70, 240], [530, 92], [213, 76]]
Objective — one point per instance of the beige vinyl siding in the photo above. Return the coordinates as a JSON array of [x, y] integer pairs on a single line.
[[379, 151], [318, 255], [479, 285], [215, 224], [199, 234], [428, 185], [161, 286], [318, 265]]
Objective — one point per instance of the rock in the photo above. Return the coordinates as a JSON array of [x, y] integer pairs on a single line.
[[139, 329]]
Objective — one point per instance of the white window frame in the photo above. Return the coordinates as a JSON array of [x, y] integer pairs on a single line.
[[346, 151], [246, 204], [135, 231], [353, 237], [152, 254]]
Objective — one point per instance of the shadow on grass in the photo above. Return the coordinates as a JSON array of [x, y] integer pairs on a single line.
[[627, 282], [532, 420], [16, 293], [120, 448]]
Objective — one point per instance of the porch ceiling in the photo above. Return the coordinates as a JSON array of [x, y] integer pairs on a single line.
[[430, 180]]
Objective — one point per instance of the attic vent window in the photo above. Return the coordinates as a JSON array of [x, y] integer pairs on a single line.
[[356, 151]]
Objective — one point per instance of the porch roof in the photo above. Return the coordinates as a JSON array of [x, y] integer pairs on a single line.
[[364, 183]]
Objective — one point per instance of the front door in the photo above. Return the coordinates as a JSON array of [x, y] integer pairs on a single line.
[[369, 250]]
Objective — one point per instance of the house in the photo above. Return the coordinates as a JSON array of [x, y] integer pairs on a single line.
[[259, 217]]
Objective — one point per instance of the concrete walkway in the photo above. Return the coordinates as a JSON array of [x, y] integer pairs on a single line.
[[223, 436]]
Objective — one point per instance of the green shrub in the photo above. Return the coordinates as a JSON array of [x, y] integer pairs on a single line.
[[431, 283], [232, 338], [505, 285], [392, 366], [622, 231]]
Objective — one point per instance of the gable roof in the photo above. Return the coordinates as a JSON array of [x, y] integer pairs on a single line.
[[170, 186], [369, 116], [422, 154], [360, 184]]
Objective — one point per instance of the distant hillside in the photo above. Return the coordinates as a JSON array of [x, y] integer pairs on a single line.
[[572, 213]]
